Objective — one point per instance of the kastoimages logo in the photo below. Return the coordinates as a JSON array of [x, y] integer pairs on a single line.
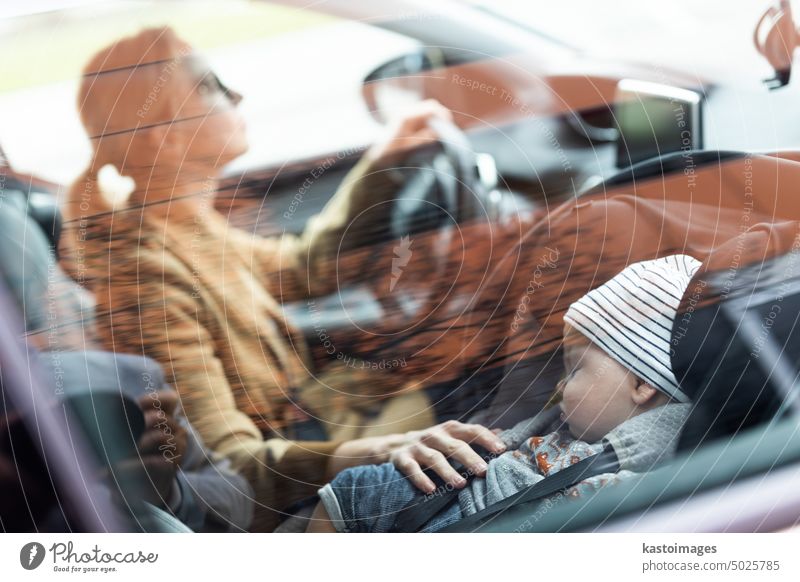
[[31, 555]]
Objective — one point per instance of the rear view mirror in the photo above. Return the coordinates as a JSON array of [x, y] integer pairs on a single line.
[[776, 39], [400, 82]]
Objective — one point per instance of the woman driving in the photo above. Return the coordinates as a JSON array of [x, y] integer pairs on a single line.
[[175, 282]]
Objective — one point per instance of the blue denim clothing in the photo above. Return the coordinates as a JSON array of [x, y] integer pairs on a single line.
[[366, 499]]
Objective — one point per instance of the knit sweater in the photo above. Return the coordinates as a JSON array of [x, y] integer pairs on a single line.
[[640, 443], [199, 297]]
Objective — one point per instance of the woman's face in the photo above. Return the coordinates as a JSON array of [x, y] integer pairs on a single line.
[[151, 105], [212, 126]]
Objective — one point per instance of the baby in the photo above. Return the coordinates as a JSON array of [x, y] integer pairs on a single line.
[[619, 391]]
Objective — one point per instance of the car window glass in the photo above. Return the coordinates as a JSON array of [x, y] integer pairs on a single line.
[[300, 73]]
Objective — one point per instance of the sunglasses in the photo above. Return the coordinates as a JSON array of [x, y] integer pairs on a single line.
[[210, 84]]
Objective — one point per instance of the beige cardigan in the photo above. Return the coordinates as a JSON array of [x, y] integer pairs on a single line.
[[200, 299]]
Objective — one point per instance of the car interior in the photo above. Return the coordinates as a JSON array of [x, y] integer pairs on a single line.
[[539, 128]]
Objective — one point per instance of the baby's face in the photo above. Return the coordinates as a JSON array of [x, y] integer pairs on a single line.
[[596, 390]]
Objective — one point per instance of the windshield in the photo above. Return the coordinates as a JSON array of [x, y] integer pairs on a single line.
[[38, 87], [706, 38]]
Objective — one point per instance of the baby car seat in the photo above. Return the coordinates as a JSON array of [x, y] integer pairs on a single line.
[[736, 347]]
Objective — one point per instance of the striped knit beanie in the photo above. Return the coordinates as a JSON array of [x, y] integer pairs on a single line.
[[630, 317]]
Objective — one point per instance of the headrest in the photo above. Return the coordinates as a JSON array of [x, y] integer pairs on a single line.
[[40, 205], [30, 269], [25, 261]]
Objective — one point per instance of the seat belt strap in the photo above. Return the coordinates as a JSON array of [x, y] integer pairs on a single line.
[[423, 508], [604, 462]]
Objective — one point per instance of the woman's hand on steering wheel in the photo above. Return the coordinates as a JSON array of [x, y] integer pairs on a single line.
[[410, 131], [435, 447]]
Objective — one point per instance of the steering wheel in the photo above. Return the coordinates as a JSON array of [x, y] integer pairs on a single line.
[[440, 185]]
